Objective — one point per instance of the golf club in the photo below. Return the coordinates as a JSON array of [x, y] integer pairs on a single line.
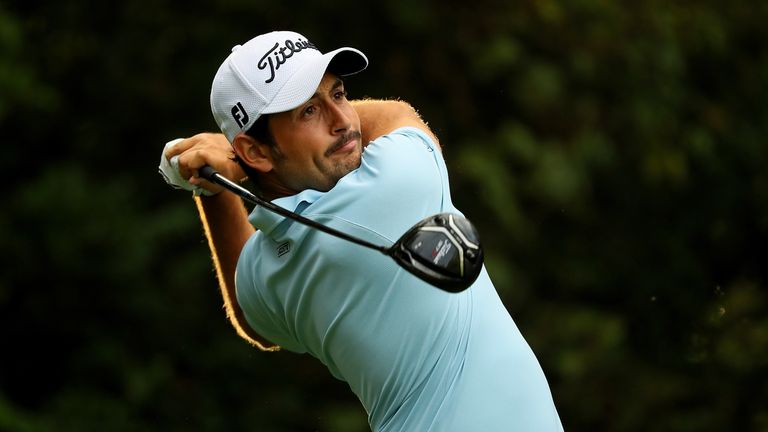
[[443, 250]]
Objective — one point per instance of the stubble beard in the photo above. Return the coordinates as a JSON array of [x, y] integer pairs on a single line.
[[344, 167], [348, 164]]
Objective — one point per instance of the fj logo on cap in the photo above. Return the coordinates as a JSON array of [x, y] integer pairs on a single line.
[[241, 117], [278, 55]]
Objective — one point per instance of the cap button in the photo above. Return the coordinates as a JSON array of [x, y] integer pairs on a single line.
[[236, 47]]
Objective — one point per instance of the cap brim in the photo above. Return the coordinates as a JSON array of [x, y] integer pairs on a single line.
[[302, 85]]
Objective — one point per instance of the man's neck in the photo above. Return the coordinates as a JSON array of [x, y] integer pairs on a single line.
[[271, 189]]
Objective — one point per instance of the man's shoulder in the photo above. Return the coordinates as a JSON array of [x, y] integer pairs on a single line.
[[401, 151], [408, 134]]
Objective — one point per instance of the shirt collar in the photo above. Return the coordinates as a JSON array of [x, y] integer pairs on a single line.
[[267, 221]]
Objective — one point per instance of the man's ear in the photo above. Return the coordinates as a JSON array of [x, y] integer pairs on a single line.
[[253, 153]]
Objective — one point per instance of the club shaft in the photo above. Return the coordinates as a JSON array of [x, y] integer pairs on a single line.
[[211, 175]]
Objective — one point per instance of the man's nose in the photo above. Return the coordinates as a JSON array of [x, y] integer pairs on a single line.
[[340, 121]]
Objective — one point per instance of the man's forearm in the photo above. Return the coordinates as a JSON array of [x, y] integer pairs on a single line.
[[226, 226], [380, 117]]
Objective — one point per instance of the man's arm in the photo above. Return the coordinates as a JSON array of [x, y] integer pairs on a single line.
[[226, 226], [380, 117], [224, 219]]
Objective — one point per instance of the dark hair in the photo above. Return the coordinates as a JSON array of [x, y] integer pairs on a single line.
[[261, 132]]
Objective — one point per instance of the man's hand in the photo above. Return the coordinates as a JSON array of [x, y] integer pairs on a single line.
[[187, 156]]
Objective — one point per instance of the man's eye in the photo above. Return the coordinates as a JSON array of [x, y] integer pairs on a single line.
[[341, 94], [309, 110]]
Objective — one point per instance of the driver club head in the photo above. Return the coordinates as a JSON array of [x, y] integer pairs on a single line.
[[443, 249]]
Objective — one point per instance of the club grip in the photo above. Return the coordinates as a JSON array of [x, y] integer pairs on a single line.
[[207, 172]]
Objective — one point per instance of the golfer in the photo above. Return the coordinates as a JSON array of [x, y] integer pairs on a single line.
[[418, 358]]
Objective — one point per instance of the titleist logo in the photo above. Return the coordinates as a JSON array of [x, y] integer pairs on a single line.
[[278, 55]]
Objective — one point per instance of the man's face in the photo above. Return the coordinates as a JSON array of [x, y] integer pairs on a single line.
[[319, 142]]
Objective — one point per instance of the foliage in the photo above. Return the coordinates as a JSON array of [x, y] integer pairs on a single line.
[[612, 154]]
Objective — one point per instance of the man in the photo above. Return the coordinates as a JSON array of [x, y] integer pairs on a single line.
[[418, 358]]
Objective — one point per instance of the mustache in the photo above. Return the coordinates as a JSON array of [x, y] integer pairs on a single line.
[[343, 140]]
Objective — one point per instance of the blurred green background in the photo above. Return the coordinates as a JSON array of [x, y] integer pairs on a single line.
[[612, 154]]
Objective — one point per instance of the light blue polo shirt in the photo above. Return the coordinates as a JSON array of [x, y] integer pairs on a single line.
[[418, 358]]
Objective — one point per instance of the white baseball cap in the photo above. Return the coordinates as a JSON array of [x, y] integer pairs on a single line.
[[272, 73]]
